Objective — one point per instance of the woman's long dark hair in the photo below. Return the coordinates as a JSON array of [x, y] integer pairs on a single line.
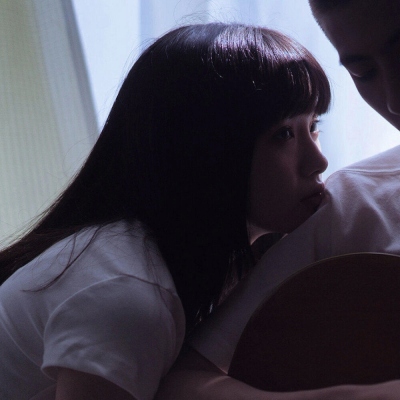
[[176, 150]]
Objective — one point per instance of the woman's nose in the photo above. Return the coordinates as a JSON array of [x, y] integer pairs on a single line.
[[313, 161]]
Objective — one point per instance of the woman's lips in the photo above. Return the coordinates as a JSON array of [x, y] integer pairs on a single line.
[[314, 200]]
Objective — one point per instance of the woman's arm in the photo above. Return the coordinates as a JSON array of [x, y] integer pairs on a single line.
[[194, 377], [76, 385]]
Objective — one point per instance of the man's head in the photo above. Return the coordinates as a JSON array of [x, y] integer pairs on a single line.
[[366, 34]]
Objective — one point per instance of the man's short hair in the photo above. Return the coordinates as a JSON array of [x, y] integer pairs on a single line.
[[320, 7]]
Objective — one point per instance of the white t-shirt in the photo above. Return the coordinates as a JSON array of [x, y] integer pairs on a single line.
[[361, 213], [114, 313]]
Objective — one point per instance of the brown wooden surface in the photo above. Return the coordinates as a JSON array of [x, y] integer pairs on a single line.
[[335, 322]]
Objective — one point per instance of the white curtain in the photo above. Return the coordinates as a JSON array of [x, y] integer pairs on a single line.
[[62, 62], [350, 132], [47, 120]]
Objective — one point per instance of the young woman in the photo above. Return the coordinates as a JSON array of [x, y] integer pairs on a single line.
[[212, 141]]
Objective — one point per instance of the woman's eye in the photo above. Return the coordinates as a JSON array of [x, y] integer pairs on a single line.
[[284, 134], [314, 130], [314, 126]]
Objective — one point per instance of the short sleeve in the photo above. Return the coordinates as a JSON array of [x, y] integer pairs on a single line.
[[125, 330]]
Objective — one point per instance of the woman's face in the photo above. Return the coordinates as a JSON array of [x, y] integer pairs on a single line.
[[285, 179]]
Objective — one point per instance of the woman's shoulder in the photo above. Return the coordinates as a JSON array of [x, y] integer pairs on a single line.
[[116, 259], [117, 298], [123, 248], [96, 254]]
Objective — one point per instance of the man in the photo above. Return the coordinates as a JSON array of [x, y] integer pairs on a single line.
[[361, 212], [366, 34]]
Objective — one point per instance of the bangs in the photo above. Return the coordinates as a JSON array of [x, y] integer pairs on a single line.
[[292, 81], [274, 75], [300, 88]]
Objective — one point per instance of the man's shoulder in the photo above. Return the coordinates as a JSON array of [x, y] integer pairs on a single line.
[[387, 161]]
